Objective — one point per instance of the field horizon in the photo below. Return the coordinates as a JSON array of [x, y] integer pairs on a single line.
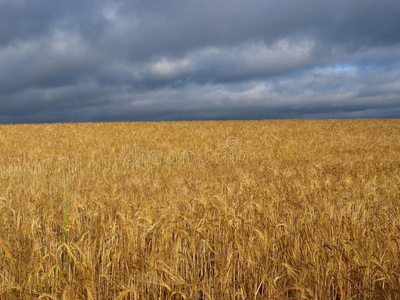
[[200, 120]]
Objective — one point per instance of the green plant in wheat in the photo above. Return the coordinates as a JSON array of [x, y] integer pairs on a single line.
[[65, 211]]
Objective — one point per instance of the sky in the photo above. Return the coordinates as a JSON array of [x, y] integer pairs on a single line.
[[151, 60]]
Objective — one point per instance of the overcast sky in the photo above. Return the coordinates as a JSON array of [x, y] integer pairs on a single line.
[[132, 60]]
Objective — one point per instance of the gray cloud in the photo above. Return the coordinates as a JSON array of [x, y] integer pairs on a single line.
[[174, 60]]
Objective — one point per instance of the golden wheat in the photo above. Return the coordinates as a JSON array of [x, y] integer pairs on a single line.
[[201, 210]]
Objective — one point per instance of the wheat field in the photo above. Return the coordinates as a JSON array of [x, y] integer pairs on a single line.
[[279, 209]]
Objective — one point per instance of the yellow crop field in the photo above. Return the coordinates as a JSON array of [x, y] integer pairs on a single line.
[[278, 209]]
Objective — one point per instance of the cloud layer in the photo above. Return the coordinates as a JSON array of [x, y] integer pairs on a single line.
[[96, 60]]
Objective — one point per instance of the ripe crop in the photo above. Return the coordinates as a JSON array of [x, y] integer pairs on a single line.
[[302, 209]]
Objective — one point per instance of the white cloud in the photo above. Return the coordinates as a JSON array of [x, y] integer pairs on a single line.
[[170, 68], [279, 56]]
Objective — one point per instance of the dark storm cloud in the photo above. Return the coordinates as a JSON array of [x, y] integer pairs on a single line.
[[90, 60], [172, 27]]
